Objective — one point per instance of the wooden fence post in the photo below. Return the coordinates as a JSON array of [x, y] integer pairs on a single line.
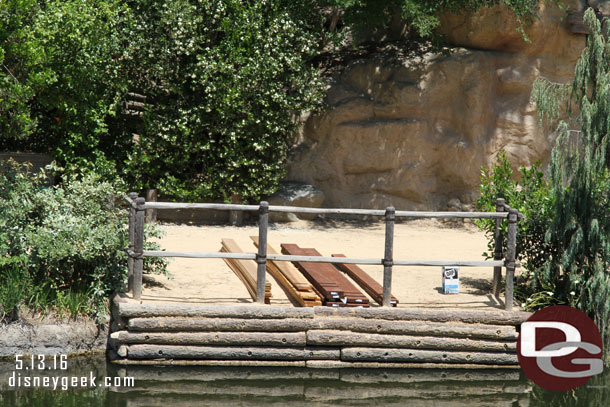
[[236, 218], [390, 216], [511, 252], [261, 257], [132, 230], [138, 264], [151, 214], [498, 249]]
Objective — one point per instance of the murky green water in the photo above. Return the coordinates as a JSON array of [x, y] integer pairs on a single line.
[[212, 386]]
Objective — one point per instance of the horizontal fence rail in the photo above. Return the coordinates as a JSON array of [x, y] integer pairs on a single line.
[[321, 259], [323, 211], [501, 259]]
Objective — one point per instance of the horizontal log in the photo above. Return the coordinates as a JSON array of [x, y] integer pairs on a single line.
[[461, 376], [468, 316], [322, 391], [180, 205], [179, 400], [426, 356], [496, 400], [212, 338], [216, 374], [442, 329], [125, 363], [316, 259], [227, 390], [324, 211], [352, 339], [220, 324], [134, 310], [461, 263], [199, 255], [278, 375], [427, 391], [228, 353]]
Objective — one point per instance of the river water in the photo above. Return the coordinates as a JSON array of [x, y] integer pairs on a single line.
[[233, 386]]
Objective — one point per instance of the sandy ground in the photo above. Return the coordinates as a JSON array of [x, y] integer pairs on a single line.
[[210, 281]]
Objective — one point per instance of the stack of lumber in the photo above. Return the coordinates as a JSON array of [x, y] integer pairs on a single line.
[[368, 283], [333, 287], [262, 335], [245, 270], [291, 280]]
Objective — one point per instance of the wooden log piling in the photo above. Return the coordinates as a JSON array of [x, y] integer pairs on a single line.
[[138, 248]]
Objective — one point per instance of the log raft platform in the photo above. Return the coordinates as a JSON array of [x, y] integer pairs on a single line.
[[344, 334], [263, 335]]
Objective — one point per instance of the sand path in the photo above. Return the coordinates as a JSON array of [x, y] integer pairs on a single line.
[[210, 281]]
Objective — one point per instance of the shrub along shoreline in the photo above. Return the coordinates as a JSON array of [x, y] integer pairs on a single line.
[[62, 248]]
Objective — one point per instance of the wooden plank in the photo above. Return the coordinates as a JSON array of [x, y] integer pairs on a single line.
[[279, 270], [248, 267], [431, 356], [135, 310], [350, 292], [220, 324], [323, 283], [239, 273], [246, 270], [368, 283], [324, 275], [229, 353], [347, 338], [293, 339], [468, 316], [288, 270]]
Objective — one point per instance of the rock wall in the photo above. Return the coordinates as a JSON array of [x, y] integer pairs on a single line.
[[412, 128]]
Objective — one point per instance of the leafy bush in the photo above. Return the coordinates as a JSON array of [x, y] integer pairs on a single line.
[[530, 195], [59, 82], [63, 246], [224, 80]]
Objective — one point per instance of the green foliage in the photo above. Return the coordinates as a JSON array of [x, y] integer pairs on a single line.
[[422, 16], [225, 79], [580, 183], [530, 196], [59, 82], [63, 246]]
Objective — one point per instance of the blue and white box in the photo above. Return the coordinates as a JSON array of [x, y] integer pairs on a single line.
[[451, 280]]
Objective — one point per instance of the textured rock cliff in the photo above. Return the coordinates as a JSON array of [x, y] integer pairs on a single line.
[[413, 128]]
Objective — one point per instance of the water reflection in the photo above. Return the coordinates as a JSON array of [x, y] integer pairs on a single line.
[[174, 386]]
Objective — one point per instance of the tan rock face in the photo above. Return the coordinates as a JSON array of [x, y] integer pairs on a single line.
[[413, 130]]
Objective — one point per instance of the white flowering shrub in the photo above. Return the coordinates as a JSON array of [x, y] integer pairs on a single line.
[[225, 80]]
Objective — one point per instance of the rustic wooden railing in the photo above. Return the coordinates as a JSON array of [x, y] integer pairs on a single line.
[[136, 252]]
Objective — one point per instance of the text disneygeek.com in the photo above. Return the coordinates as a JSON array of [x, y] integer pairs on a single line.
[[41, 363]]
